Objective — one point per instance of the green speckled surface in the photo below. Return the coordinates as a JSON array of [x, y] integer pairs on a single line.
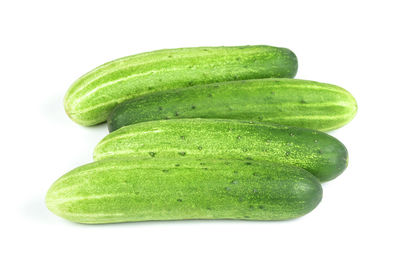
[[166, 189], [289, 102], [317, 152], [92, 97]]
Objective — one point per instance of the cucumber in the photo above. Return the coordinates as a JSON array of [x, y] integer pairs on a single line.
[[317, 152], [92, 97], [289, 102], [122, 190]]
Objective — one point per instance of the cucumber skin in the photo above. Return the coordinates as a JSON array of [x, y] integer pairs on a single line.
[[122, 190], [317, 152], [291, 102], [88, 104]]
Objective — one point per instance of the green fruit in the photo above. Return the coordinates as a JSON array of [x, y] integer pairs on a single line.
[[116, 190], [92, 97], [289, 102], [321, 154]]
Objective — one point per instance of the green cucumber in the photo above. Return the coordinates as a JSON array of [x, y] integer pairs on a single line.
[[289, 102], [92, 97], [317, 152], [122, 190]]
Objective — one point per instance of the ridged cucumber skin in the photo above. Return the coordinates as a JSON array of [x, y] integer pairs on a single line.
[[317, 152], [92, 97], [289, 102], [123, 190]]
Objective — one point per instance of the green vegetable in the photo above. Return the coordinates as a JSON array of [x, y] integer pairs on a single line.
[[92, 97], [290, 102], [116, 190], [321, 154]]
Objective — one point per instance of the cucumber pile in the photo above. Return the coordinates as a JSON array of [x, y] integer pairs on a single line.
[[203, 133]]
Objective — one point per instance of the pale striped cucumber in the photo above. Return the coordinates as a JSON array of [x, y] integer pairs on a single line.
[[166, 189], [290, 102], [92, 97], [317, 152]]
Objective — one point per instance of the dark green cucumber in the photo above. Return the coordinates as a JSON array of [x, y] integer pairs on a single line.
[[92, 97], [116, 190], [317, 152], [289, 102]]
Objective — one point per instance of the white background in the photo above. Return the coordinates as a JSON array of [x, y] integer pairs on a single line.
[[46, 45]]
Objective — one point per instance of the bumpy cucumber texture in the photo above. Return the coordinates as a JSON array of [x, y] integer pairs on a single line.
[[165, 189], [317, 152], [289, 102], [92, 97]]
